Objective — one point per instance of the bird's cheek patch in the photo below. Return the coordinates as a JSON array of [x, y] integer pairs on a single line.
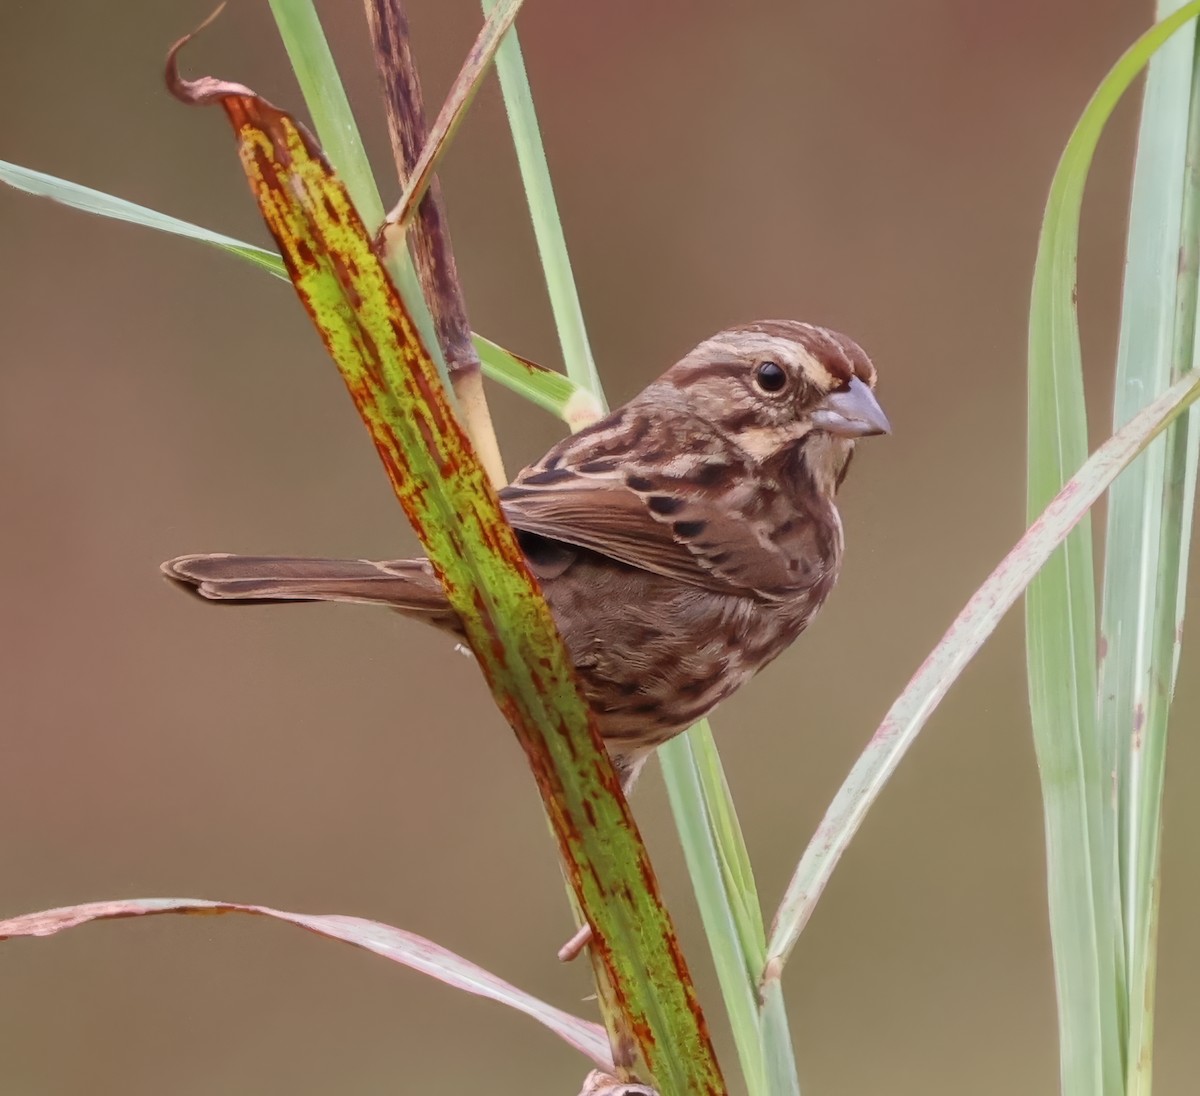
[[764, 442]]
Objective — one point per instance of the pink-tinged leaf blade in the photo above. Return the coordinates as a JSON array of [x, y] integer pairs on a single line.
[[950, 657], [392, 943]]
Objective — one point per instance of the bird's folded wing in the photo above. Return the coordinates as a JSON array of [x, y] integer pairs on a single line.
[[678, 522]]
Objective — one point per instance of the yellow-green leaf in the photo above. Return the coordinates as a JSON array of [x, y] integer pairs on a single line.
[[456, 514]]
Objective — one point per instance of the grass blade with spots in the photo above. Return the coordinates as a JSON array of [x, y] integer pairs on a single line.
[[392, 943], [455, 512], [321, 85]]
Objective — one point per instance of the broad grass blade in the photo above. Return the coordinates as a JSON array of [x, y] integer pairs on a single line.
[[321, 85], [1074, 761], [1150, 518]]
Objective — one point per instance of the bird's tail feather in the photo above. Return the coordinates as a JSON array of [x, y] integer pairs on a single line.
[[408, 585]]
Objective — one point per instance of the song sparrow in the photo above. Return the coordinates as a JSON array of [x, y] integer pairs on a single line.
[[682, 542]]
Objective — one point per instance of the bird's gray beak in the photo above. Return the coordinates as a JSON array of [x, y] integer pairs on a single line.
[[852, 413]]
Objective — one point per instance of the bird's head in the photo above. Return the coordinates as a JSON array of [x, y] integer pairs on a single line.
[[783, 391]]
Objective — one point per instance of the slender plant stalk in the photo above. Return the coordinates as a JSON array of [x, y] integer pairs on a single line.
[[543, 211], [736, 966], [727, 895], [316, 72], [459, 98]]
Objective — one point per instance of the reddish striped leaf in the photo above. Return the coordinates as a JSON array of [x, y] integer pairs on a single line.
[[455, 512]]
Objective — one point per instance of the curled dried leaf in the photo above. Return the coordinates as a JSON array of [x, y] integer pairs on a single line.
[[599, 1083]]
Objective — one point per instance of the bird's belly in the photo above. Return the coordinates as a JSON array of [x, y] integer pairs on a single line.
[[656, 655]]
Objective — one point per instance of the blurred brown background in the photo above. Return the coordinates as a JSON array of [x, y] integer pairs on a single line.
[[879, 170]]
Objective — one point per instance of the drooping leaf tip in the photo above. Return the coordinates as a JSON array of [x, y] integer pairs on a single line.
[[204, 89]]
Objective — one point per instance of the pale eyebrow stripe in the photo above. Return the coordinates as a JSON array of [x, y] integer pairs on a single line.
[[756, 343], [772, 346], [815, 370]]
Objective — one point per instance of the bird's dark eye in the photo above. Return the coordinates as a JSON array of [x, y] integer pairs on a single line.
[[770, 377]]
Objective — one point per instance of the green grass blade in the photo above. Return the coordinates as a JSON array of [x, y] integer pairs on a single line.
[[550, 390], [740, 893], [544, 387], [1080, 812], [1143, 367], [728, 910], [736, 873], [106, 205], [456, 514], [962, 641], [1149, 520], [543, 210], [779, 1058]]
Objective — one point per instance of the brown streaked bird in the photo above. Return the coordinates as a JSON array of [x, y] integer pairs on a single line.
[[682, 542]]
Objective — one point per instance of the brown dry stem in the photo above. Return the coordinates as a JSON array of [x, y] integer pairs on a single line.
[[430, 236]]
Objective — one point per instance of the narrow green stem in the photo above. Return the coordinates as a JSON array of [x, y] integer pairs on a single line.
[[704, 815], [735, 967], [778, 1057], [543, 211]]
